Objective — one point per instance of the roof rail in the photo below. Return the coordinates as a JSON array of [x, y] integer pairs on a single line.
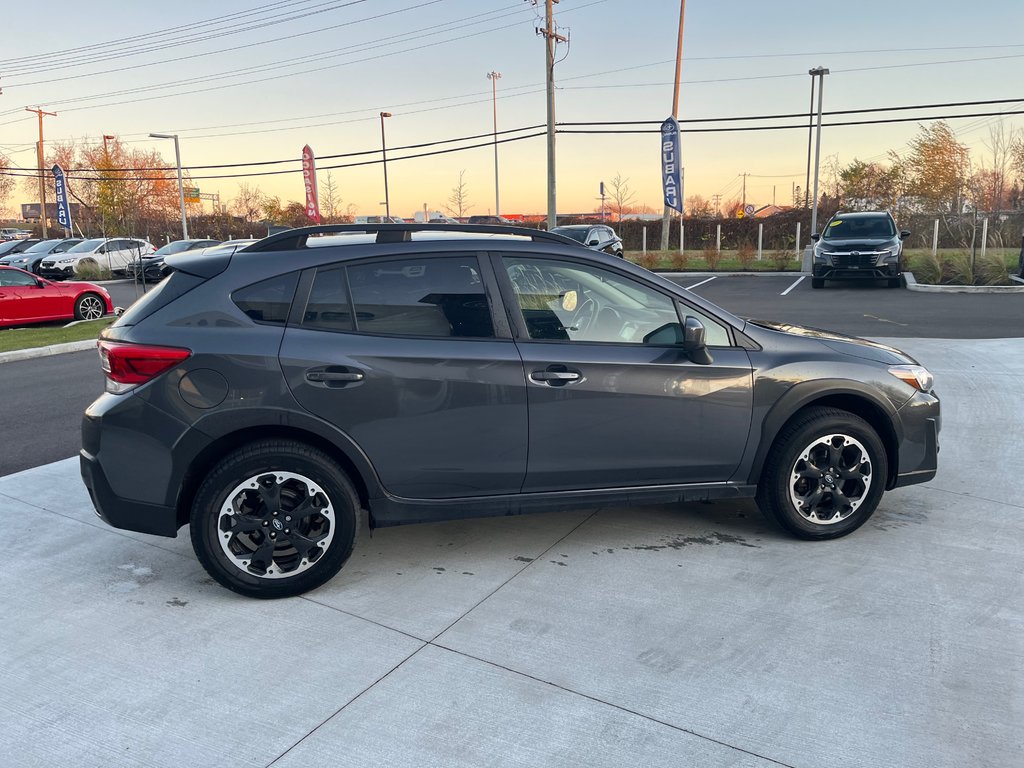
[[294, 239]]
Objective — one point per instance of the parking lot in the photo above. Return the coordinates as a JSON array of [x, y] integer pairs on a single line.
[[689, 635]]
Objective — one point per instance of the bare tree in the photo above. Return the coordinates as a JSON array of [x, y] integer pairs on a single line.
[[458, 201], [330, 202], [7, 183], [248, 203], [621, 195]]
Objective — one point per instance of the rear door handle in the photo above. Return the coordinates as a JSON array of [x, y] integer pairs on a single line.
[[334, 376]]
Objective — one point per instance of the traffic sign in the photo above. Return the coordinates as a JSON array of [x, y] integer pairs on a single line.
[[191, 194], [749, 210]]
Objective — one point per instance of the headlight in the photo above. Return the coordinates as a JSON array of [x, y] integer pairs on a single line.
[[915, 375], [65, 261]]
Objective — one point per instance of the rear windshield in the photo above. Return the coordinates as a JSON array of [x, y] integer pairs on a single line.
[[576, 234], [176, 247], [167, 290], [859, 227]]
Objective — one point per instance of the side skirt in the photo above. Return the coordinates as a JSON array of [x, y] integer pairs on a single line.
[[394, 510]]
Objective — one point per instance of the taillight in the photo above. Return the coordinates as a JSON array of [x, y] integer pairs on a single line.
[[127, 365]]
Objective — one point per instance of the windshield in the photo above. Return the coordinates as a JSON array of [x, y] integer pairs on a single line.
[[859, 227], [576, 234], [42, 247], [176, 247], [87, 246]]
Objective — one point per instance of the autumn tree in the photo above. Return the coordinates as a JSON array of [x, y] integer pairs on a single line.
[[458, 201], [698, 207], [621, 195], [937, 168], [731, 208], [7, 183], [870, 185]]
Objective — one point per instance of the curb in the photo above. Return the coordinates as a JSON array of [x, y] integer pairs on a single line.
[[913, 285], [759, 273], [53, 349]]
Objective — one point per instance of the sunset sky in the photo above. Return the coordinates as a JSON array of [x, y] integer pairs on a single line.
[[320, 73]]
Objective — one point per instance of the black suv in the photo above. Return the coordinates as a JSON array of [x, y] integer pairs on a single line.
[[859, 246], [274, 397], [600, 237]]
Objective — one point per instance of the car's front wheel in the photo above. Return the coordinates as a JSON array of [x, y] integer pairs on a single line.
[[275, 519], [824, 475], [89, 306]]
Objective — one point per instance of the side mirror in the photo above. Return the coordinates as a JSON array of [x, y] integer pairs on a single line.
[[695, 341], [40, 283], [593, 242], [904, 234], [815, 237]]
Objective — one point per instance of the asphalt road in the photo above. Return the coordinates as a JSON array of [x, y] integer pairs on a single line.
[[52, 392]]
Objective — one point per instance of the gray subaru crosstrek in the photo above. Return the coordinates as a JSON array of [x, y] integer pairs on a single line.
[[280, 398]]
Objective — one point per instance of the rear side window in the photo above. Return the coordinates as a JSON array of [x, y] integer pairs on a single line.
[[328, 308], [267, 301], [433, 296]]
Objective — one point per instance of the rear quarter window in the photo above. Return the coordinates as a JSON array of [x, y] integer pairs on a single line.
[[267, 301]]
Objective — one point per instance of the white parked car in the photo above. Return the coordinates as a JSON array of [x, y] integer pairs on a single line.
[[114, 254]]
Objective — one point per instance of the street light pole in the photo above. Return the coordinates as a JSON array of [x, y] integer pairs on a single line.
[[820, 72], [384, 154], [181, 185], [493, 77], [810, 137]]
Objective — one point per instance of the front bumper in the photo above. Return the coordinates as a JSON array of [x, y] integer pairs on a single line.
[[56, 272], [855, 272], [919, 450]]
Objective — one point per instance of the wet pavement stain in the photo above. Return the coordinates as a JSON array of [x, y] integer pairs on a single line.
[[439, 569], [708, 540], [522, 559], [176, 603], [559, 562]]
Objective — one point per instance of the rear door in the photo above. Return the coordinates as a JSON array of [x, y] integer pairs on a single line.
[[406, 356], [607, 408]]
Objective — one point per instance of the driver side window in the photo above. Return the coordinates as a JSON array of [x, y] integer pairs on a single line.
[[570, 301]]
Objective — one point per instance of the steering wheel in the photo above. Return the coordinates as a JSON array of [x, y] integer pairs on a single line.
[[584, 316]]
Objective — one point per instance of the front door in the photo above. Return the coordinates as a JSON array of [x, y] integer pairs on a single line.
[[608, 409], [402, 355]]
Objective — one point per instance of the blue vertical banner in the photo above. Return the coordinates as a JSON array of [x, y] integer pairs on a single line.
[[671, 164], [63, 205]]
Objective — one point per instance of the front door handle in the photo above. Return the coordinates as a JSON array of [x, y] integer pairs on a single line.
[[333, 376], [556, 376]]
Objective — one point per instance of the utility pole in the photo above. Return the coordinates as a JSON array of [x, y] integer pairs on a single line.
[[744, 204], [493, 77], [666, 217], [42, 170], [810, 135], [551, 39], [716, 201], [820, 72]]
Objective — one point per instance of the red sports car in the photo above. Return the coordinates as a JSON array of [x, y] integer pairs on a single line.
[[26, 298]]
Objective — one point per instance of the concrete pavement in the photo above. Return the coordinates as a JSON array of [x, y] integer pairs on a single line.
[[655, 636]]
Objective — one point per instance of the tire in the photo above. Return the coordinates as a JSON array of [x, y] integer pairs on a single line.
[[620, 254], [816, 441], [89, 306], [817, 282], [256, 553]]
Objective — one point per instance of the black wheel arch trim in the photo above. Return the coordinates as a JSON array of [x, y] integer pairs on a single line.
[[836, 393], [219, 433]]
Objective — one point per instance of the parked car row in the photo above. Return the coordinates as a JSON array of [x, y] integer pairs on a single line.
[[10, 233], [27, 254]]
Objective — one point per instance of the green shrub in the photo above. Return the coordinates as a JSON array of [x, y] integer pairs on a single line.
[[927, 269], [712, 257], [992, 269], [781, 259], [746, 255], [91, 271], [957, 269]]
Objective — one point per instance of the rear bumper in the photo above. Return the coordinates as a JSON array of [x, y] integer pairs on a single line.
[[120, 512]]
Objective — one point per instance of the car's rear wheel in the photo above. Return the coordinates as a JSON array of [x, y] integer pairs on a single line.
[[817, 282], [275, 519], [89, 306], [824, 475]]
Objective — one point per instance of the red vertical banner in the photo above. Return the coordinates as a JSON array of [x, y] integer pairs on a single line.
[[309, 178]]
